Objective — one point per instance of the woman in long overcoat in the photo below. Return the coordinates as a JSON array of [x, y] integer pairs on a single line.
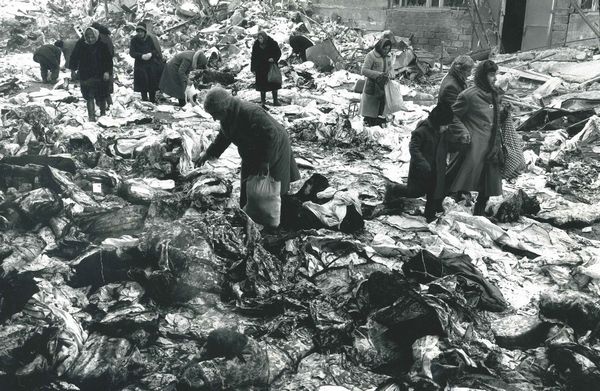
[[265, 52], [377, 68], [105, 37], [263, 143], [174, 79], [476, 111], [148, 65], [91, 58]]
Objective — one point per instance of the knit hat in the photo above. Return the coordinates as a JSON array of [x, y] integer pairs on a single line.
[[217, 100], [141, 26]]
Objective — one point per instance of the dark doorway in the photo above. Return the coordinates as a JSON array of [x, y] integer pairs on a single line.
[[512, 29]]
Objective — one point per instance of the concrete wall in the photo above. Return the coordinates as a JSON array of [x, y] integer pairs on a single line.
[[366, 14], [579, 33], [432, 26]]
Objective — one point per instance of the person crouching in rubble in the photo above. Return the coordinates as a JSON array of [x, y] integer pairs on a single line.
[[427, 163], [175, 78], [48, 56], [477, 115], [263, 143], [148, 67], [378, 70], [299, 43], [265, 52], [91, 58]]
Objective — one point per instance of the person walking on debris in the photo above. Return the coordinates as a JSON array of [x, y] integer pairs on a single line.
[[377, 68], [175, 78], [265, 52], [299, 44], [107, 40], [427, 164], [263, 143], [48, 56], [91, 58], [147, 68], [476, 115]]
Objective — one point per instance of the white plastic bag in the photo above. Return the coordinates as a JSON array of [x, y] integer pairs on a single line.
[[393, 98], [263, 203]]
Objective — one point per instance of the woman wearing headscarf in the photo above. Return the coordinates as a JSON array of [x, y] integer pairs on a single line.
[[263, 143], [91, 58], [175, 77], [265, 52], [378, 70], [148, 65], [476, 111]]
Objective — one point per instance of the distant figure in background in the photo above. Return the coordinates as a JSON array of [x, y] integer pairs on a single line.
[[265, 52], [175, 78], [105, 37], [378, 70], [91, 57], [48, 56], [148, 66], [66, 46], [299, 44]]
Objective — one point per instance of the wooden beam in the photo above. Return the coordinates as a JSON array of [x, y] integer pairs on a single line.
[[550, 25], [585, 19]]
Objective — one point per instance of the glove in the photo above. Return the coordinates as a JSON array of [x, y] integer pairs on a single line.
[[146, 56], [201, 159], [271, 60], [263, 169]]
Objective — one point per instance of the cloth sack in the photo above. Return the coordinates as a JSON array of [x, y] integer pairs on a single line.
[[512, 145], [274, 75], [263, 200], [393, 97]]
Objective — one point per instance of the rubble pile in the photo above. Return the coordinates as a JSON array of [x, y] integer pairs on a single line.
[[125, 267]]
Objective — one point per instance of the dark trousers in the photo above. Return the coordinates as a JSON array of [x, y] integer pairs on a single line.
[[44, 70], [149, 96]]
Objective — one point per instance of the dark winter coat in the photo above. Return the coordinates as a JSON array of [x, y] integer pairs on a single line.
[[48, 55], [476, 111], [146, 73], [424, 168], [175, 76], [299, 44], [105, 37], [92, 61], [260, 63], [67, 49], [260, 139], [372, 100], [452, 85]]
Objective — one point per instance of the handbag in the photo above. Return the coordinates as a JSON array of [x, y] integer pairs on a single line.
[[512, 146], [263, 200], [274, 75]]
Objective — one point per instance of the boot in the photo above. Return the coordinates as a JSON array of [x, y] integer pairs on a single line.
[[275, 100], [152, 96], [91, 109], [102, 105], [479, 209], [145, 96], [263, 99], [181, 102]]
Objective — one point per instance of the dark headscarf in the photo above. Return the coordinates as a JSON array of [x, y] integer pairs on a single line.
[[481, 72], [264, 35], [441, 115], [380, 44]]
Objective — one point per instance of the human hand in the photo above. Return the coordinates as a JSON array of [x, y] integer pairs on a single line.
[[146, 56], [106, 76], [263, 169], [271, 60]]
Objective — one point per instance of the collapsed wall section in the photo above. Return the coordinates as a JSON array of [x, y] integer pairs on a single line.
[[369, 15]]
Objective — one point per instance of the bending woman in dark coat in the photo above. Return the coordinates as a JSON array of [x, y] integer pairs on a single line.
[[48, 56], [91, 57], [476, 112], [147, 68], [265, 52], [263, 144], [174, 79]]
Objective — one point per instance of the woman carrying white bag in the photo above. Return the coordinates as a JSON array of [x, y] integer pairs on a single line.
[[378, 70], [268, 164]]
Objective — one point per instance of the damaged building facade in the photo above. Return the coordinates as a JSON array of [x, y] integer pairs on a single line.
[[453, 27]]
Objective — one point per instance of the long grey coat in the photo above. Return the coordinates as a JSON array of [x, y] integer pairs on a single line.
[[175, 75], [474, 110], [372, 99]]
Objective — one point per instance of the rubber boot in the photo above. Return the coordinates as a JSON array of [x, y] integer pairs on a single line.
[[145, 96], [479, 209], [91, 109], [263, 98], [181, 102], [152, 96], [275, 100], [102, 105]]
